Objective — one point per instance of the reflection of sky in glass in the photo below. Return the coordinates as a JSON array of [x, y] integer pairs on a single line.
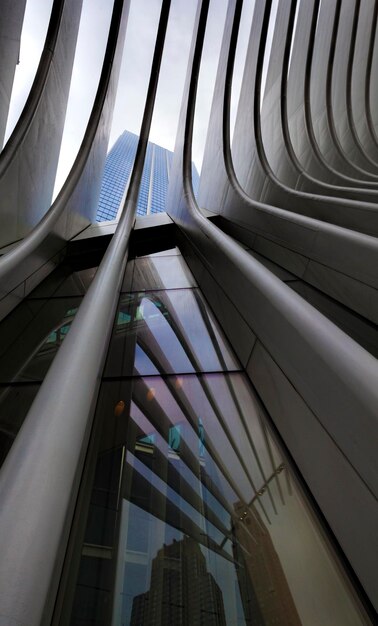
[[182, 505], [142, 363], [137, 574], [165, 336], [220, 459], [36, 342], [198, 479], [173, 331], [278, 513], [30, 337], [169, 272], [178, 462], [189, 387]]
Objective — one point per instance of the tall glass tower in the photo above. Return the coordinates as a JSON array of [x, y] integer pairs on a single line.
[[154, 185]]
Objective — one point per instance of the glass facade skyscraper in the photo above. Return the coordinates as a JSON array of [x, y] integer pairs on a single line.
[[154, 185]]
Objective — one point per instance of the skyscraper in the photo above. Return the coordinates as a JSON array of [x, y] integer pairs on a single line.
[[205, 378], [155, 178], [271, 600], [181, 592]]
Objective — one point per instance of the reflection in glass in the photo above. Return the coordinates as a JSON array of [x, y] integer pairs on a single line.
[[194, 521], [29, 340], [169, 252], [171, 331], [65, 281], [161, 272], [193, 517], [31, 337], [181, 589]]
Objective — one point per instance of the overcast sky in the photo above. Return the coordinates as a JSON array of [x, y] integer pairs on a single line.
[[134, 74]]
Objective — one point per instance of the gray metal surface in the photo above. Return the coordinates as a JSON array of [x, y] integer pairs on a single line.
[[322, 102], [29, 261], [319, 386], [276, 177], [12, 15], [299, 112], [32, 151], [339, 261], [284, 94], [340, 87], [41, 475], [371, 92], [360, 77]]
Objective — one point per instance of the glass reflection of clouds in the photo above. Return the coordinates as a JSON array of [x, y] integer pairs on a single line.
[[170, 272], [193, 515]]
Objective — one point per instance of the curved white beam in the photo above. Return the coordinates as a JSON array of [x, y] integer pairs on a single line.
[[324, 383], [12, 15], [39, 479], [30, 260], [32, 151]]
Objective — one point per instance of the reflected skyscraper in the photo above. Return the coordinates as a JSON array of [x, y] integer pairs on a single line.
[[188, 401], [181, 591], [266, 595]]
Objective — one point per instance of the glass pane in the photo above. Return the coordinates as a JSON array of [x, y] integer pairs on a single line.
[[31, 336], [161, 272], [170, 331], [195, 518], [64, 281], [169, 252]]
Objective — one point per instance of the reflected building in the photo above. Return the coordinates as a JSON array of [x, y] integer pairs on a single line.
[[181, 590], [189, 492], [266, 595], [188, 399], [180, 452]]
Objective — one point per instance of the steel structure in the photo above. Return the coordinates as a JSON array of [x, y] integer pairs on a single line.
[[290, 207]]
